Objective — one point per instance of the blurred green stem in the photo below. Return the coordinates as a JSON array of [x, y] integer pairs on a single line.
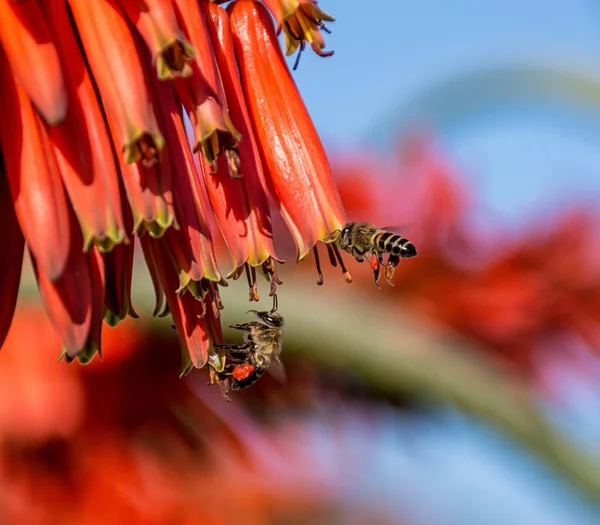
[[350, 328]]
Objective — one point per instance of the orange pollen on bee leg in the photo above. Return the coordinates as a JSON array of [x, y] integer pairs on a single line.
[[374, 261], [241, 372]]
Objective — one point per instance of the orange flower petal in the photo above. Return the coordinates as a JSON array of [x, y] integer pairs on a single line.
[[119, 271], [68, 299], [156, 22], [98, 283], [33, 58], [161, 308], [39, 199], [150, 197], [115, 65], [294, 158], [82, 145]]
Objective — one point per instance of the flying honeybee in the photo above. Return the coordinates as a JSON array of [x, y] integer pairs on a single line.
[[263, 342], [366, 241]]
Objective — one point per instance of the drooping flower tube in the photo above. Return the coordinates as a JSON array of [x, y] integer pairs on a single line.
[[157, 24], [295, 161], [37, 192], [33, 57]]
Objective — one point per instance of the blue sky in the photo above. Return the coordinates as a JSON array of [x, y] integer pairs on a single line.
[[388, 54]]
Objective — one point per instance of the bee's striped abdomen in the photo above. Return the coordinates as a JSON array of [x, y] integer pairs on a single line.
[[394, 244], [384, 241]]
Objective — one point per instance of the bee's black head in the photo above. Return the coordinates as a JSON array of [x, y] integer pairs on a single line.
[[408, 250], [345, 234], [271, 318]]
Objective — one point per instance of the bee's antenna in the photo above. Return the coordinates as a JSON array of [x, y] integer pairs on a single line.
[[275, 303]]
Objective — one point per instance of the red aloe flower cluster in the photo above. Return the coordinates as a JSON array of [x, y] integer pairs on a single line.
[[146, 119]]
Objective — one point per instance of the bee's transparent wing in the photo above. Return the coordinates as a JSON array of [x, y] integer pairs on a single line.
[[277, 370], [396, 228]]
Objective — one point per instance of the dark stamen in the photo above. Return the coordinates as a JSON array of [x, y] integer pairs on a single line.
[[297, 62], [318, 263], [216, 296], [340, 259], [251, 275], [268, 267], [215, 308], [322, 53], [332, 257]]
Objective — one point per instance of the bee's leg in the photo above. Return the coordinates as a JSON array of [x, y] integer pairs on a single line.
[[237, 356], [359, 256], [376, 260], [224, 388], [242, 350], [244, 327], [222, 380], [228, 370], [390, 268]]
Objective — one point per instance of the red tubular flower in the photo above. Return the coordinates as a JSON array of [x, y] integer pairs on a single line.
[[33, 58], [301, 21], [116, 68], [150, 196], [191, 245], [97, 269], [240, 206], [37, 192], [10, 267], [157, 23], [196, 320], [75, 301], [82, 146], [119, 269], [202, 93], [295, 161]]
